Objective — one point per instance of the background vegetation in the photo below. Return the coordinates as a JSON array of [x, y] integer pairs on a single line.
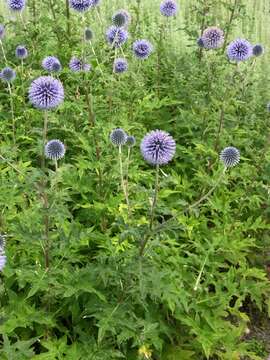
[[99, 299]]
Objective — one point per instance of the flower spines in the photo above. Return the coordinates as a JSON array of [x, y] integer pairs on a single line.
[[8, 74], [212, 38], [239, 50], [16, 5], [168, 8], [142, 49], [116, 36], [118, 137], [21, 52], [54, 149], [120, 65], [230, 156], [77, 65]]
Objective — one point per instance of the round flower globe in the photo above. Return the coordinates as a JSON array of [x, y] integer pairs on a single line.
[[51, 64], [8, 74], [200, 42], [116, 36], [158, 147], [168, 8], [46, 93], [80, 5], [121, 18], [55, 150], [21, 52], [258, 50], [16, 5], [142, 49], [212, 38], [118, 137], [131, 141], [88, 34], [239, 50], [120, 65], [230, 156], [77, 65]]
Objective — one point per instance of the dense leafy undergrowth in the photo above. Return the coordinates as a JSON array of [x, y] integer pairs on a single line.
[[189, 295]]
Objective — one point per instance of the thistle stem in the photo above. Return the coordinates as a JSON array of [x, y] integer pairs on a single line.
[[12, 112], [122, 176], [200, 275], [11, 165], [44, 138], [56, 165], [3, 51], [68, 18]]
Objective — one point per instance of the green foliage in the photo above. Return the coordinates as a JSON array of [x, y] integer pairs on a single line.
[[188, 296]]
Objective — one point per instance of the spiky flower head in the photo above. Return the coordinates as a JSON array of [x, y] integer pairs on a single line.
[[2, 31], [3, 260], [80, 5], [200, 42], [51, 64], [7, 74], [116, 36], [121, 18], [131, 141], [120, 65], [168, 8], [46, 93], [77, 65], [142, 49], [158, 147], [118, 137], [212, 37], [2, 242], [54, 149], [88, 34], [21, 52], [230, 156], [16, 5], [258, 50], [239, 50]]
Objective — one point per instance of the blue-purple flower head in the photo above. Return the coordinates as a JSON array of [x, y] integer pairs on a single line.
[[158, 147], [2, 31], [51, 64], [3, 260], [21, 52], [258, 50], [7, 74], [55, 150], [16, 5], [131, 141], [142, 49], [116, 36], [118, 137], [77, 65], [169, 8], [121, 18], [120, 65], [230, 156], [95, 3], [46, 93], [88, 34], [239, 50], [80, 5], [200, 42], [212, 38]]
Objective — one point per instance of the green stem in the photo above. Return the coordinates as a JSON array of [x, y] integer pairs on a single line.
[[3, 51], [122, 176], [12, 113], [56, 165], [200, 275], [44, 138], [68, 18]]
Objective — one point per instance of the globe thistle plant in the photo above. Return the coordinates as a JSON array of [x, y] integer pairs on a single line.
[[16, 5], [158, 147], [142, 49], [8, 74], [121, 18], [2, 31], [120, 65], [88, 34], [212, 38], [258, 50], [118, 137], [239, 50], [51, 64], [3, 260], [46, 93], [21, 52], [116, 36], [80, 5], [230, 156], [200, 42], [131, 141], [168, 8], [77, 65]]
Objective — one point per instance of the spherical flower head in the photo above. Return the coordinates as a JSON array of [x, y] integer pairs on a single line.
[[80, 5], [200, 42], [118, 137], [2, 31], [51, 64], [88, 34], [158, 147], [21, 52], [120, 65], [3, 260], [55, 150], [121, 18], [8, 74], [230, 156], [131, 141], [46, 93], [116, 36], [95, 3], [142, 49], [257, 50], [239, 50], [16, 5], [77, 65], [168, 8], [213, 38]]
